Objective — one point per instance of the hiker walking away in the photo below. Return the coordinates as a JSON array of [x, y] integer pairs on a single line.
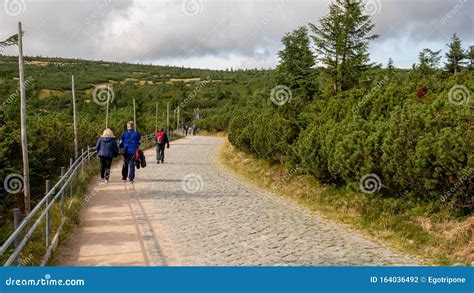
[[161, 139], [129, 142], [107, 150], [185, 129], [194, 129]]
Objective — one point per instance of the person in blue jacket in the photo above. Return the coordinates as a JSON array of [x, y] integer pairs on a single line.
[[107, 150], [129, 142]]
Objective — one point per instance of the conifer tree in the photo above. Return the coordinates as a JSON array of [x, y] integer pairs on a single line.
[[470, 56], [429, 60], [12, 40], [296, 68], [455, 56], [342, 38], [390, 64]]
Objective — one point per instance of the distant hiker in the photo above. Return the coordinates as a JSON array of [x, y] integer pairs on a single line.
[[194, 128], [130, 140], [161, 139], [107, 149], [185, 129]]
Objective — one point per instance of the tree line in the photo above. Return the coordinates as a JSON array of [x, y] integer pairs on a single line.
[[342, 117]]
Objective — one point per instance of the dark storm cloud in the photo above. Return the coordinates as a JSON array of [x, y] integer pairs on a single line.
[[220, 34]]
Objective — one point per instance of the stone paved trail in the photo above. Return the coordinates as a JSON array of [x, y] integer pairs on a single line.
[[154, 221]]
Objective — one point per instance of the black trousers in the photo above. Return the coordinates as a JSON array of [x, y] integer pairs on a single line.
[[160, 152], [105, 163]]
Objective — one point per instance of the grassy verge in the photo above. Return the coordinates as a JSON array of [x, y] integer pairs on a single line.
[[435, 238], [211, 133]]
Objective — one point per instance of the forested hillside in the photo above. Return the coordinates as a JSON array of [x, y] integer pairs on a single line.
[[49, 107]]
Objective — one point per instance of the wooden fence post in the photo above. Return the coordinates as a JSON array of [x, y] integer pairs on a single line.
[[74, 115]]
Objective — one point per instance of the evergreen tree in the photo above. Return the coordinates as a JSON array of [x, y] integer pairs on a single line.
[[390, 64], [12, 40], [296, 68], [456, 55], [470, 56], [429, 60], [342, 39]]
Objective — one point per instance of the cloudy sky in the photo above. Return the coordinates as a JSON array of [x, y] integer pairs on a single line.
[[219, 34]]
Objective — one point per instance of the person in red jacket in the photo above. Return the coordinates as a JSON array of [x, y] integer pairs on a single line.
[[161, 139]]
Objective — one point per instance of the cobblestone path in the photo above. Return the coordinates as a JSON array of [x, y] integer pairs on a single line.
[[191, 212]]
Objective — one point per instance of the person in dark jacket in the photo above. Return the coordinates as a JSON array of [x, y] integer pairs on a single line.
[[129, 142], [107, 150], [161, 139], [185, 129]]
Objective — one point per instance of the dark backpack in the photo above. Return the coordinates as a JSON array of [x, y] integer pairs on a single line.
[[160, 137], [139, 158], [142, 161]]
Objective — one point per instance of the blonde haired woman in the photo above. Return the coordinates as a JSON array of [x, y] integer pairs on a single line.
[[107, 150]]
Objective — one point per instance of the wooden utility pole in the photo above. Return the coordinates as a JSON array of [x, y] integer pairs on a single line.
[[24, 142], [156, 118], [168, 118], [177, 120], [107, 108], [76, 148], [134, 115]]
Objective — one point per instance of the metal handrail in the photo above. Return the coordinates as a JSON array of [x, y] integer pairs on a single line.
[[63, 182], [25, 221], [49, 205]]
